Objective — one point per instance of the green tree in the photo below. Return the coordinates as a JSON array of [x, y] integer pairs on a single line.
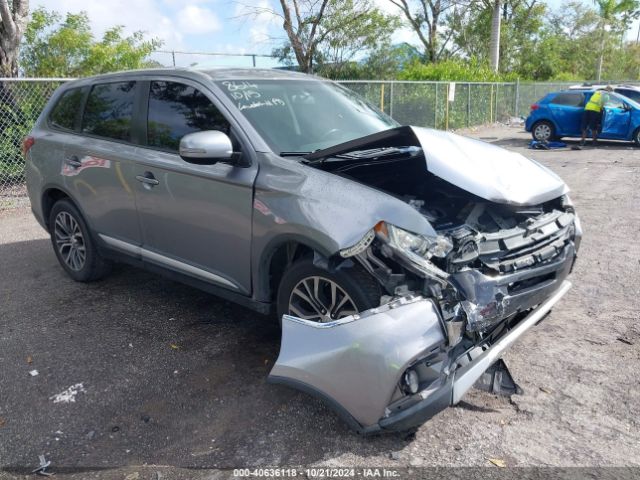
[[521, 22], [54, 46], [328, 34], [612, 12]]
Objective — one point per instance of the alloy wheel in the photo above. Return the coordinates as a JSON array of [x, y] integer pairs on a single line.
[[319, 299], [70, 241]]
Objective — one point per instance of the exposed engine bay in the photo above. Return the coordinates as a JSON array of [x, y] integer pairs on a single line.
[[500, 257]]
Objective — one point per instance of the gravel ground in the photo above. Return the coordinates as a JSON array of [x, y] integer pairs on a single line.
[[171, 377]]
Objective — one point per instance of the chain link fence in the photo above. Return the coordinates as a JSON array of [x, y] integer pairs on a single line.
[[21, 102], [452, 105], [440, 105]]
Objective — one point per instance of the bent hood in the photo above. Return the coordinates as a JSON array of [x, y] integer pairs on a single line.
[[480, 168]]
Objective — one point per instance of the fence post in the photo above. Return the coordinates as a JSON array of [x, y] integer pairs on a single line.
[[435, 110], [446, 107], [391, 100], [382, 97], [517, 105], [173, 57], [495, 114], [468, 105], [491, 105]]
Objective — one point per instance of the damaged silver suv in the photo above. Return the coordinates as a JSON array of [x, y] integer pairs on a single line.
[[401, 261]]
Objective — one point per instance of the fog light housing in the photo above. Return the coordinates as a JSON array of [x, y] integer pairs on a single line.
[[410, 382]]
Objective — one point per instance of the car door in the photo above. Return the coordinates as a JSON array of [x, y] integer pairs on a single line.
[[629, 93], [98, 167], [617, 118], [566, 109], [195, 219]]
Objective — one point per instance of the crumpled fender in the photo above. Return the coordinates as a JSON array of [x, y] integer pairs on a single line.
[[355, 363]]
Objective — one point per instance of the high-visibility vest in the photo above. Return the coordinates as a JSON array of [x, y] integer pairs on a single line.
[[596, 102]]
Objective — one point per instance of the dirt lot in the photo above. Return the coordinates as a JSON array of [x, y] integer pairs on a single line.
[[174, 377]]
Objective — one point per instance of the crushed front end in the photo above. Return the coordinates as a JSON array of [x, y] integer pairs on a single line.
[[454, 302]]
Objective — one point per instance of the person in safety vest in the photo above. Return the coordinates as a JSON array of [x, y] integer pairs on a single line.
[[592, 115]]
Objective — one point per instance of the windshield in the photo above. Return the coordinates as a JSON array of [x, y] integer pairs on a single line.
[[304, 115]]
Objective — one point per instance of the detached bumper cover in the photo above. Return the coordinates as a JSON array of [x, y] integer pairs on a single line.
[[356, 364]]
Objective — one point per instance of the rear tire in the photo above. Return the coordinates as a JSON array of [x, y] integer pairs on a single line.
[[355, 291], [636, 137], [73, 244], [543, 131]]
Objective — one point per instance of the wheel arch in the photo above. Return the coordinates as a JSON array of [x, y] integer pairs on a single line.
[[276, 256], [50, 195]]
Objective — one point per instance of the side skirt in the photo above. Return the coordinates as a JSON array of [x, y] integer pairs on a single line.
[[260, 307]]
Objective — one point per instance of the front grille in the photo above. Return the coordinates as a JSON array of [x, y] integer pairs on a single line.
[[540, 240]]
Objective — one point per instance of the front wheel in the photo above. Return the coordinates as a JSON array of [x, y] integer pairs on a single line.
[[543, 131], [318, 295]]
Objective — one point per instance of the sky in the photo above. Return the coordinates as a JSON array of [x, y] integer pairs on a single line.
[[195, 26], [221, 26]]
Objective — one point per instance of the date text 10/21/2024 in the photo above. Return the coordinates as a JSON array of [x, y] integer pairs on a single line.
[[318, 472]]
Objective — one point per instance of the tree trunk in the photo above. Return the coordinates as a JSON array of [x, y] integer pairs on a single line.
[[601, 56], [8, 57], [495, 35], [13, 20]]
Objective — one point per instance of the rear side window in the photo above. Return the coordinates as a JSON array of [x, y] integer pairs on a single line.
[[569, 99], [632, 94], [176, 109], [65, 112], [109, 110]]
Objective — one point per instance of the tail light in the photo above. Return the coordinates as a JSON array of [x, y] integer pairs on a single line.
[[27, 143], [534, 107]]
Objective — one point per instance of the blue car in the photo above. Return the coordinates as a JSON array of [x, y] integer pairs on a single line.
[[559, 115]]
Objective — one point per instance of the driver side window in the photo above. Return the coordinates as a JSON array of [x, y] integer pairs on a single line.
[[176, 109], [613, 102]]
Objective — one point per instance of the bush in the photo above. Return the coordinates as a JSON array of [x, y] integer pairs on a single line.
[[454, 70]]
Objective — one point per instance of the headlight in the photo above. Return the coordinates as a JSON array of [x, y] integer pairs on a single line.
[[417, 249], [438, 246]]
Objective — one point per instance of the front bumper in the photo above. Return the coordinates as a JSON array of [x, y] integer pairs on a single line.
[[467, 369], [490, 299], [355, 364]]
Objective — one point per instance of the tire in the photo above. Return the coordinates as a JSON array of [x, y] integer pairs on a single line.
[[73, 244], [361, 288], [636, 137], [543, 131]]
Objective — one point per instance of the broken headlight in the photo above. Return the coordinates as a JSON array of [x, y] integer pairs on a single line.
[[427, 247], [416, 250]]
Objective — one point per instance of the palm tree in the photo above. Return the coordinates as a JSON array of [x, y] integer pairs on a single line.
[[609, 11], [495, 34]]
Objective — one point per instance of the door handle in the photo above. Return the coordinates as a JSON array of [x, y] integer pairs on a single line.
[[147, 179], [73, 161]]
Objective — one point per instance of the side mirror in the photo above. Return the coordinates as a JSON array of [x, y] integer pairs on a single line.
[[206, 148]]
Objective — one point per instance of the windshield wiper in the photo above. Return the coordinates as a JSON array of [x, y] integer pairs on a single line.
[[375, 153], [294, 154]]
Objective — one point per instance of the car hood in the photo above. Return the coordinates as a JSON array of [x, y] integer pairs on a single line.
[[480, 168]]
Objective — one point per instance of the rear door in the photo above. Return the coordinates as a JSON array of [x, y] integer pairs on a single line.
[[98, 166], [617, 118], [566, 110], [196, 219]]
